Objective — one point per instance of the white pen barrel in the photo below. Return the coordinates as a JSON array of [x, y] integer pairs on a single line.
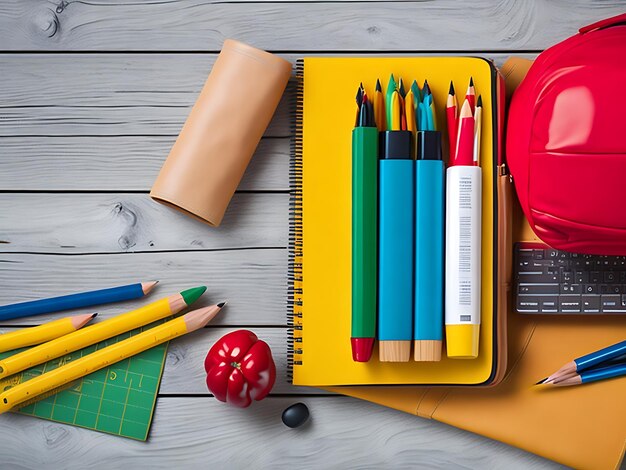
[[463, 260]]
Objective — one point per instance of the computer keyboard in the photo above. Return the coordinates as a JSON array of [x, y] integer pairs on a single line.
[[557, 282]]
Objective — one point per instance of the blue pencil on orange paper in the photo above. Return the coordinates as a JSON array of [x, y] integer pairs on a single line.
[[592, 361], [592, 375], [80, 300]]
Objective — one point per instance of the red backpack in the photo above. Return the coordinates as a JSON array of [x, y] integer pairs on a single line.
[[566, 141]]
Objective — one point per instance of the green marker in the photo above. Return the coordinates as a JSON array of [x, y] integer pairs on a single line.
[[391, 87], [364, 237]]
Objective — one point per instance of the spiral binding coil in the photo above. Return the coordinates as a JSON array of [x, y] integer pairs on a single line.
[[294, 291]]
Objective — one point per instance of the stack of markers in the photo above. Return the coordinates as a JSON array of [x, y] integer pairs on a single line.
[[398, 195], [398, 207]]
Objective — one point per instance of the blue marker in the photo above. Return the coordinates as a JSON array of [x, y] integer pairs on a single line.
[[429, 243], [396, 225]]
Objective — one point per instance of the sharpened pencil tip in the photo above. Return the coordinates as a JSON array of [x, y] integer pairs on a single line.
[[471, 81], [451, 90], [221, 304], [378, 85], [94, 315], [147, 287], [479, 102], [541, 381]]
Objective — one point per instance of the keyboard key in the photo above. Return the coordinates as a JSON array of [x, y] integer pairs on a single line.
[[532, 278], [528, 304], [591, 289], [591, 303], [567, 277], [538, 289], [538, 254], [570, 303], [611, 289], [611, 303], [550, 304], [609, 277], [552, 254], [623, 300], [571, 289], [581, 277], [594, 277], [525, 253]]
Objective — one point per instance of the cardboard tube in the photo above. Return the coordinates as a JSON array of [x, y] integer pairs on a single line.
[[222, 132]]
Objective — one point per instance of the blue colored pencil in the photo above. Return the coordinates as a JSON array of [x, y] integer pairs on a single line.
[[593, 375], [589, 361], [72, 301]]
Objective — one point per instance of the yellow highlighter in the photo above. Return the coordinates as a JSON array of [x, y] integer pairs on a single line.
[[42, 333], [99, 332], [35, 387]]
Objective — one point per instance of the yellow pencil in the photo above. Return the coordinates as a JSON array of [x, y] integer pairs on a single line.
[[396, 114], [102, 358], [99, 332], [42, 333], [409, 108]]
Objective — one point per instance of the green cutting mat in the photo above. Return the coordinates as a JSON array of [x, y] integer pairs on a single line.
[[117, 400]]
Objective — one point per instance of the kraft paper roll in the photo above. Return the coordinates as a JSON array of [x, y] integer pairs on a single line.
[[222, 132]]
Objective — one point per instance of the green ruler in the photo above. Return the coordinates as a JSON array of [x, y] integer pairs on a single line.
[[118, 399]]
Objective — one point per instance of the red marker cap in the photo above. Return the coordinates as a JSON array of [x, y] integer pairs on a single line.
[[362, 349]]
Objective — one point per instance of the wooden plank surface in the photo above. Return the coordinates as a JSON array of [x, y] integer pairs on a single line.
[[116, 223], [117, 163], [198, 25], [200, 432], [252, 280]]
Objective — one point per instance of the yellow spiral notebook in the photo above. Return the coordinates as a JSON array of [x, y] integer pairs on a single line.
[[320, 262]]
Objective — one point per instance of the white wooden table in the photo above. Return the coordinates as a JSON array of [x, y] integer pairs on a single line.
[[92, 95]]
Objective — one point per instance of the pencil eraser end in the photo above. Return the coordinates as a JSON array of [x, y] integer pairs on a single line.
[[462, 341], [362, 349]]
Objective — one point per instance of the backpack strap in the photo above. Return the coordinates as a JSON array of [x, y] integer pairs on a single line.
[[607, 23]]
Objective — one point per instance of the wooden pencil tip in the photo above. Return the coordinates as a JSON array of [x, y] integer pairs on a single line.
[[471, 83], [221, 304], [466, 110], [378, 85], [479, 102], [451, 89], [541, 381], [147, 287], [94, 315]]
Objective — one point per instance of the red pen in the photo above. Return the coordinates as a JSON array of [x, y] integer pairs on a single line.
[[453, 124]]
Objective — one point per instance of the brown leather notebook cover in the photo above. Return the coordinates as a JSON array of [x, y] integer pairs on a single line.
[[582, 426]]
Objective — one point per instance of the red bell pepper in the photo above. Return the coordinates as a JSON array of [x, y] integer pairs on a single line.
[[240, 368]]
